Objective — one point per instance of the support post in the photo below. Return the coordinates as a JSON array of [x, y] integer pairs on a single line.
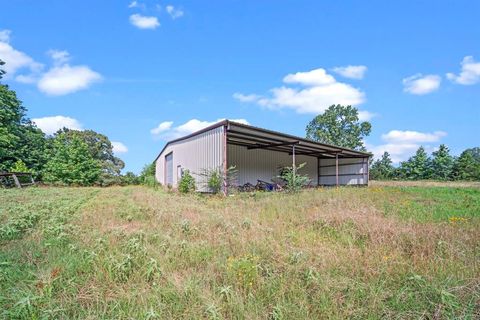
[[336, 168], [294, 168], [17, 182], [225, 169]]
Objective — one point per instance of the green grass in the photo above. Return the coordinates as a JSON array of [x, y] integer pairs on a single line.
[[139, 253]]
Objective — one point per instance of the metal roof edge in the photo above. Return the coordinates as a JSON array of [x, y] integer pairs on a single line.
[[289, 136]]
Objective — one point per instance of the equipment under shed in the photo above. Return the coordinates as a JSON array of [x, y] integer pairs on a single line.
[[257, 154]]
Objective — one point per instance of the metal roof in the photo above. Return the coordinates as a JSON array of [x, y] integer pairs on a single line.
[[259, 138]]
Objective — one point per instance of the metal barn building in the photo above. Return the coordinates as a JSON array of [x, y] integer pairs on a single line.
[[257, 154]]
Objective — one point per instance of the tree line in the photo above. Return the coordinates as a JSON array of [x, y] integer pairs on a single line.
[[69, 157], [340, 125], [441, 165]]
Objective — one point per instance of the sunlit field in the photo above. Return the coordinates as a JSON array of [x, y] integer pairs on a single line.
[[140, 253]]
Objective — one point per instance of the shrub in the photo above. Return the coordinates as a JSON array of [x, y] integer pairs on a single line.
[[294, 180], [215, 181], [187, 183]]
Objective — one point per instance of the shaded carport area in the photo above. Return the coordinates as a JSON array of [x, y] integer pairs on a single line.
[[258, 154]]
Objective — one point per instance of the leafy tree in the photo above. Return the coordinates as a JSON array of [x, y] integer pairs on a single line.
[[466, 167], [20, 166], [19, 138], [475, 152], [339, 125], [130, 178], [71, 162], [382, 169], [442, 163], [417, 167], [100, 149], [147, 176]]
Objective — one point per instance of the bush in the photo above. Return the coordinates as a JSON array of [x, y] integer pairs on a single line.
[[215, 181], [294, 181], [187, 183]]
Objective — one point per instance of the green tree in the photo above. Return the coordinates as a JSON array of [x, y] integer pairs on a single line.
[[442, 163], [147, 176], [339, 125], [20, 139], [100, 148], [71, 163], [417, 167], [20, 166], [382, 169], [466, 167]]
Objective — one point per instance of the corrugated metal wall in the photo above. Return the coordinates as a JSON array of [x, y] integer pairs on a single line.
[[204, 151], [351, 171], [264, 164]]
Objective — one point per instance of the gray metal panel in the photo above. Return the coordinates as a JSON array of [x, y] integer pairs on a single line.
[[351, 171], [261, 164], [197, 153]]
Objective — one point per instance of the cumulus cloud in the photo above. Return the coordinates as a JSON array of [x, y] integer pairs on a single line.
[[351, 72], [174, 13], [144, 22], [14, 59], [60, 79], [119, 147], [50, 125], [470, 73], [166, 131], [419, 84], [65, 79], [246, 97], [402, 144], [162, 127], [314, 92], [5, 35]]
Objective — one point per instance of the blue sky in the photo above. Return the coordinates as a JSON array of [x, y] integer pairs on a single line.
[[146, 71]]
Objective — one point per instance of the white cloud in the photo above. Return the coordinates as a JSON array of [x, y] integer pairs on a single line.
[[59, 57], [50, 125], [5, 35], [318, 90], [144, 22], [58, 80], [119, 147], [364, 115], [14, 59], [419, 84], [402, 144], [133, 4], [162, 127], [67, 79], [470, 73], [167, 132], [398, 136], [246, 97], [351, 72], [174, 12]]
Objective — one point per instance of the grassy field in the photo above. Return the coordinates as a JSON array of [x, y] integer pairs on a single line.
[[136, 253]]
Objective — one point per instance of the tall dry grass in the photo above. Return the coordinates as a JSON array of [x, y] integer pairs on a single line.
[[134, 252]]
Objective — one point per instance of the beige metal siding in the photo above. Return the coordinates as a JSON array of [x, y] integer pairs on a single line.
[[203, 151], [351, 171], [261, 164]]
